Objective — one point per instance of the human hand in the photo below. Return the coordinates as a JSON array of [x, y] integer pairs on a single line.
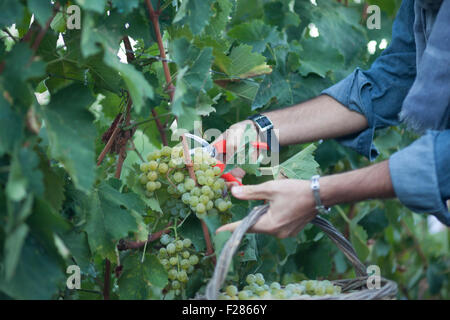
[[292, 206], [233, 137]]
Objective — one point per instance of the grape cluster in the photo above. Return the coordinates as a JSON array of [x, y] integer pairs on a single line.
[[158, 165], [257, 288], [206, 197], [179, 259]]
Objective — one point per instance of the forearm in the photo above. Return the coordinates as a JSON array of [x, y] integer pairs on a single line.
[[319, 118], [357, 185]]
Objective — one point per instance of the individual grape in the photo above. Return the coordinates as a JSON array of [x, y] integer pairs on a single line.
[[232, 290], [193, 201], [182, 276], [209, 181], [152, 165], [217, 171], [143, 179], [204, 166], [163, 252], [180, 188], [193, 259], [151, 186], [200, 208], [144, 167], [199, 173], [172, 164], [186, 254], [222, 206], [166, 151], [165, 263], [216, 186], [171, 248], [260, 279], [171, 190], [176, 284], [250, 279], [184, 263], [179, 245], [185, 198], [196, 192], [210, 173], [209, 205], [187, 243], [172, 274], [244, 295], [189, 184], [165, 240], [173, 261], [158, 185], [320, 290], [178, 177], [275, 286], [152, 175], [202, 180], [206, 190], [204, 199], [163, 168]]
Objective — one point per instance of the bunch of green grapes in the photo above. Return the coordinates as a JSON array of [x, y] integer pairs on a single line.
[[159, 163], [210, 196], [176, 208], [257, 288], [179, 259], [205, 196]]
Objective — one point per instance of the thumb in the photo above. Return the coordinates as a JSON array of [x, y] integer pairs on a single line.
[[254, 192], [229, 227]]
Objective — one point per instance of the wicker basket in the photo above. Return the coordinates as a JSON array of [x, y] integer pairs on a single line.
[[352, 289]]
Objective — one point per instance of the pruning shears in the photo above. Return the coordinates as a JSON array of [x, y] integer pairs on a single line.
[[220, 148]]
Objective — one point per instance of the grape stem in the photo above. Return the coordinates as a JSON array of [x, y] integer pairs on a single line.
[[125, 245], [154, 17]]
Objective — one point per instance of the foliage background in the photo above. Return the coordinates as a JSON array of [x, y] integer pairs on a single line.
[[229, 59]]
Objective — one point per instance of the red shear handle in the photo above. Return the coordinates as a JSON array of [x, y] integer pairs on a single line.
[[221, 146], [228, 177]]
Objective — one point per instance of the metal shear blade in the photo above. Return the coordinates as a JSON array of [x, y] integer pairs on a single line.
[[204, 145]]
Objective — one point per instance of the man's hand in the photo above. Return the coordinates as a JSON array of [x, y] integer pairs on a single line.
[[234, 135], [292, 206]]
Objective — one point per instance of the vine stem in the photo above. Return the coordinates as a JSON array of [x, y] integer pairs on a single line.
[[139, 244], [109, 143], [154, 17], [130, 58]]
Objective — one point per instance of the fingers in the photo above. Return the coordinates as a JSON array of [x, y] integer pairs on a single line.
[[229, 227], [254, 192]]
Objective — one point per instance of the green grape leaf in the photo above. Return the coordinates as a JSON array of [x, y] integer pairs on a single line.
[[243, 63], [13, 249], [42, 10], [37, 276], [317, 57], [126, 6], [195, 13], [278, 13], [25, 175], [300, 166], [218, 23], [19, 68], [192, 229], [97, 6], [108, 218], [72, 134], [358, 237], [11, 11], [11, 127], [255, 33], [142, 280]]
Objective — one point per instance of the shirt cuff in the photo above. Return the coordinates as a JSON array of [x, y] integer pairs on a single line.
[[414, 178], [354, 93]]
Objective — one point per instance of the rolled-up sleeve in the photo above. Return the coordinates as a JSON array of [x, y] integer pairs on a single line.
[[420, 175], [378, 93]]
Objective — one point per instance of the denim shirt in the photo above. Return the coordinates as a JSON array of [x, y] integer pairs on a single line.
[[420, 173]]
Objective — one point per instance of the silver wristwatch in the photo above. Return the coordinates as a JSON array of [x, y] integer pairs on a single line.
[[315, 187]]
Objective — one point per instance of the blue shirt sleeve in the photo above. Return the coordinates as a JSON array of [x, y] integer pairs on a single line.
[[420, 175], [378, 93]]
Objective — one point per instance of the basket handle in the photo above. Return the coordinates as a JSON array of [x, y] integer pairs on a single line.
[[224, 261]]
